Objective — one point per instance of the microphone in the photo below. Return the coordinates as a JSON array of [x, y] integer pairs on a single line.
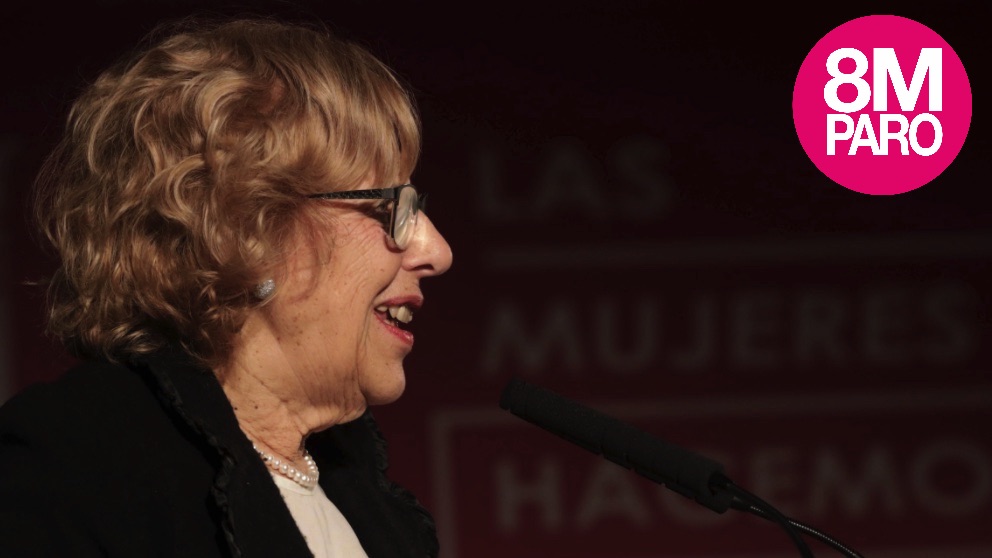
[[681, 470], [685, 472]]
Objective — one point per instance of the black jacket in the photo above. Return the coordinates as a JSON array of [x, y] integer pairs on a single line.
[[147, 459]]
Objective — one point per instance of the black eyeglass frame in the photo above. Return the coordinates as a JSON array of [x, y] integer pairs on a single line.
[[392, 194]]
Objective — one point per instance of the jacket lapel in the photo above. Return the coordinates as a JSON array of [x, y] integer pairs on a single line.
[[254, 518], [388, 520]]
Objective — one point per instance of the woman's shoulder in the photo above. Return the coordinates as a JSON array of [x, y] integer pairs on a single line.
[[93, 394], [89, 467], [100, 423]]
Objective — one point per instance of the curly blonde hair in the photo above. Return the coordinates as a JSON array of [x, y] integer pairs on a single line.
[[183, 173]]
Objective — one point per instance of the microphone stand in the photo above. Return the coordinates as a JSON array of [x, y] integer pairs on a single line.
[[815, 533], [746, 502], [768, 511]]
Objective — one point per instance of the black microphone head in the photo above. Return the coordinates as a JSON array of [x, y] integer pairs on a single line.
[[681, 470], [514, 396]]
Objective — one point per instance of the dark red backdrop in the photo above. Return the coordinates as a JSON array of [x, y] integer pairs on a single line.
[[635, 225]]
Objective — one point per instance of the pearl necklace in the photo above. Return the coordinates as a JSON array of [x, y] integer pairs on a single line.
[[307, 480]]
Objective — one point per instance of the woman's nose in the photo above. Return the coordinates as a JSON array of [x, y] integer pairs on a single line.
[[428, 252]]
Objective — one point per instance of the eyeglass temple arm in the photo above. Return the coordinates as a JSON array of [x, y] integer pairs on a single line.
[[374, 194]]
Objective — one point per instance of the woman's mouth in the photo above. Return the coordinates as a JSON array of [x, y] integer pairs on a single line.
[[395, 318]]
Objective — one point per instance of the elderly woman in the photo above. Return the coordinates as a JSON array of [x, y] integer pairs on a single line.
[[241, 253]]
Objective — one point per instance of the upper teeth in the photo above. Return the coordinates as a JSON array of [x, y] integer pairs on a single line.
[[399, 313]]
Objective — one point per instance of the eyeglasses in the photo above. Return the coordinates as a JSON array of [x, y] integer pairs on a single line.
[[407, 204]]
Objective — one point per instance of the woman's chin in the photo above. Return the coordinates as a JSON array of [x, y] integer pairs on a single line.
[[385, 390]]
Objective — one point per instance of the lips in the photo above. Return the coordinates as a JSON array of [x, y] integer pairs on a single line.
[[396, 313]]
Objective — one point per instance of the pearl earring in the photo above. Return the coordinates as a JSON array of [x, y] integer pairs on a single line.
[[265, 289]]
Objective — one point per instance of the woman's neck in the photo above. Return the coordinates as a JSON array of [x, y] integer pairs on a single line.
[[273, 407], [266, 418]]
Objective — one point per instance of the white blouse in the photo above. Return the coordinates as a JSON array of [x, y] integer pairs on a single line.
[[327, 532]]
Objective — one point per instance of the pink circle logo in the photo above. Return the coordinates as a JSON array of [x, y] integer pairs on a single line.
[[882, 105]]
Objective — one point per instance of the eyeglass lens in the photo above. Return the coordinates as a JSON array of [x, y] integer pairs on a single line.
[[406, 217]]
